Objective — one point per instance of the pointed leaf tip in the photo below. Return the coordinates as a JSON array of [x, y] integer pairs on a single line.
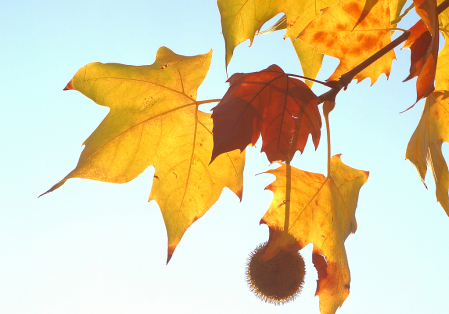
[[169, 258], [69, 85], [170, 251]]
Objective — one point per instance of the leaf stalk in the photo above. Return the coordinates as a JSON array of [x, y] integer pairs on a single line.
[[202, 102], [328, 131], [288, 188]]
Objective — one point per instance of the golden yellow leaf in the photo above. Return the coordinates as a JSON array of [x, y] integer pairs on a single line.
[[339, 32], [241, 20], [154, 120], [424, 147], [395, 10], [442, 73], [322, 212], [310, 62]]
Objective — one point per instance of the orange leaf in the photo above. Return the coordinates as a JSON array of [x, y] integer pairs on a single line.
[[352, 31], [322, 212], [369, 4], [283, 109], [423, 43]]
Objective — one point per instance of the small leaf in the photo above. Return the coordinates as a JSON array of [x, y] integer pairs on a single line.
[[322, 212], [423, 43], [270, 102], [424, 147]]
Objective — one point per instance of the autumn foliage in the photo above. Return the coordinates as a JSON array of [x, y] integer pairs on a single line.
[[154, 120], [269, 103]]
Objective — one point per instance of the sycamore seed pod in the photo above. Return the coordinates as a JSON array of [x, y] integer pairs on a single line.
[[277, 280]]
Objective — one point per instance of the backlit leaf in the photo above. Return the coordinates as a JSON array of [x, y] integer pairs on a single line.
[[283, 109], [423, 43], [424, 147], [279, 25], [340, 33], [154, 120], [241, 20], [369, 5], [395, 11], [322, 212], [442, 73], [310, 61]]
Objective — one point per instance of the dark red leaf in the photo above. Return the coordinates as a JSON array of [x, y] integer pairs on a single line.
[[280, 108]]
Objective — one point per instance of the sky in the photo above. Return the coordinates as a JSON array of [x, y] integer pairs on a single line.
[[93, 247]]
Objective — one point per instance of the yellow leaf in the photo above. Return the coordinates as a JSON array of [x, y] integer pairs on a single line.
[[442, 73], [310, 62], [340, 33], [424, 147], [279, 25], [242, 20], [322, 212], [154, 120], [395, 10]]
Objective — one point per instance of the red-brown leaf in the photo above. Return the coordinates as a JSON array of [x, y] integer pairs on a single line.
[[280, 108], [423, 43]]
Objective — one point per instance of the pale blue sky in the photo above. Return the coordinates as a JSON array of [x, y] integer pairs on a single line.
[[93, 247]]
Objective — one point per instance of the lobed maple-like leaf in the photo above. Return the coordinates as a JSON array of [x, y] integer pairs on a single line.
[[154, 120], [322, 212], [352, 31], [280, 108], [242, 20], [424, 147], [423, 43]]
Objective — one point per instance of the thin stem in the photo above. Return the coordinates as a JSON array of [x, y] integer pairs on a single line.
[[397, 29], [288, 188], [348, 76], [207, 101], [444, 31], [443, 6], [310, 79], [328, 131]]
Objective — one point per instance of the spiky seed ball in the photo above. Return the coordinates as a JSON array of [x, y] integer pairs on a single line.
[[277, 280]]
